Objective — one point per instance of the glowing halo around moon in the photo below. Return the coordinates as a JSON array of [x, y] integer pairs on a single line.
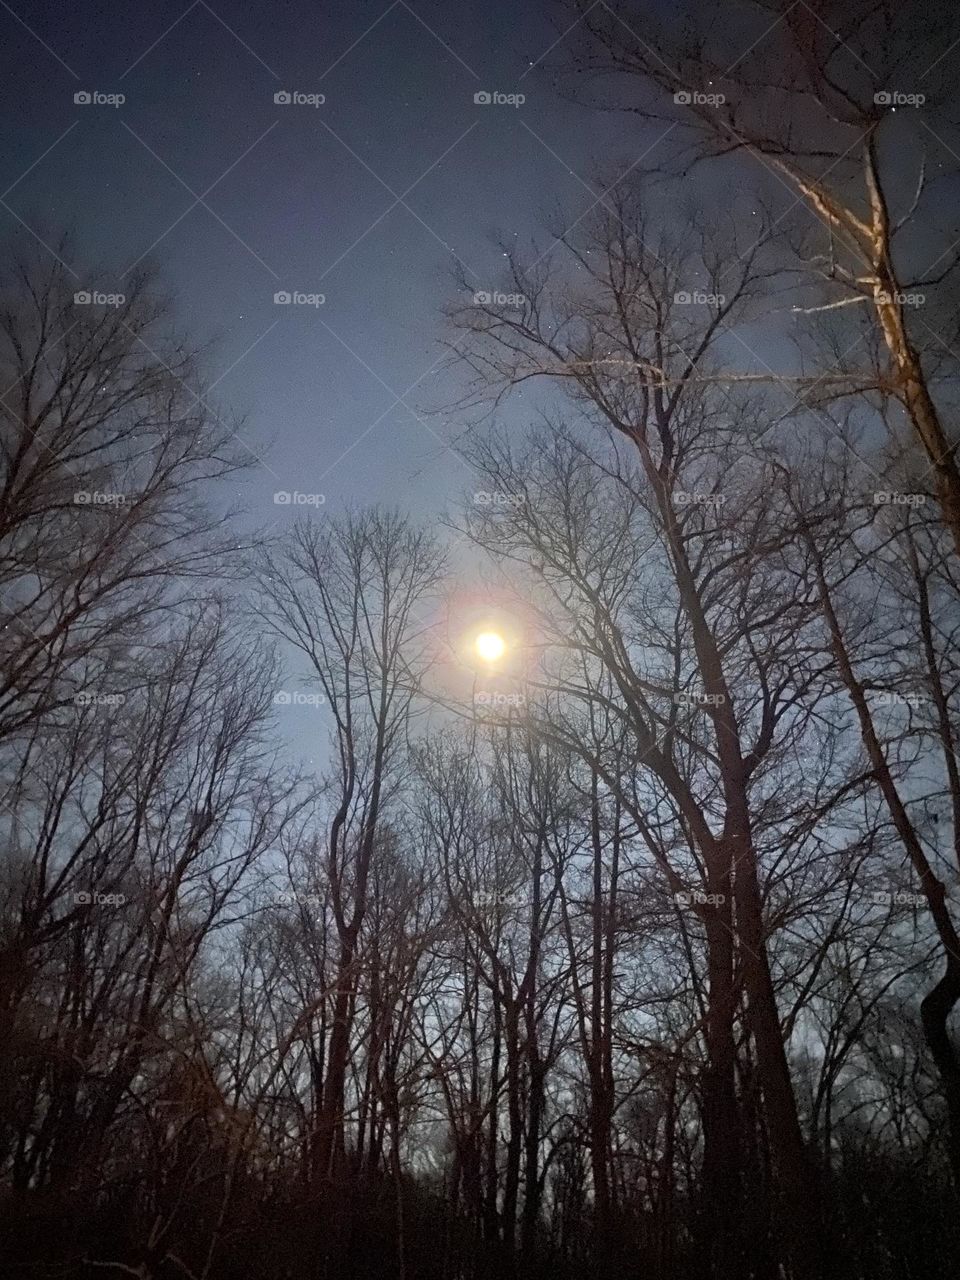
[[490, 646]]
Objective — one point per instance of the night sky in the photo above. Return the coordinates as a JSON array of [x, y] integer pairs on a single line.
[[298, 197], [371, 199]]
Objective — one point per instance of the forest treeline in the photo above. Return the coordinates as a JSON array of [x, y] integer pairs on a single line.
[[632, 953]]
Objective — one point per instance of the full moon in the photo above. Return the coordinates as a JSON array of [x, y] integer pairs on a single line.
[[490, 646]]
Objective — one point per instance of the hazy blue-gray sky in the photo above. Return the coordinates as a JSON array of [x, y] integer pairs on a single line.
[[370, 199], [304, 198]]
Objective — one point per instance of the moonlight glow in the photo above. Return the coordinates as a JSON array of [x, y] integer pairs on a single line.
[[490, 646]]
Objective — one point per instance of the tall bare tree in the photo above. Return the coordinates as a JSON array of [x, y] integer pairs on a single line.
[[828, 97], [346, 596]]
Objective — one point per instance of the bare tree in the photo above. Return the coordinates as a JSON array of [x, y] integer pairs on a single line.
[[346, 597], [725, 541], [828, 98], [108, 451]]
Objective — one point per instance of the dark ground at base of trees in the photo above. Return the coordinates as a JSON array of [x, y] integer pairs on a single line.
[[888, 1224]]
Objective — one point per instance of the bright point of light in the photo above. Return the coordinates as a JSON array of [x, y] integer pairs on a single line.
[[490, 646]]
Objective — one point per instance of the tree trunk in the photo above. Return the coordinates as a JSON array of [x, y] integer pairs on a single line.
[[331, 1111], [910, 377], [720, 1214]]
